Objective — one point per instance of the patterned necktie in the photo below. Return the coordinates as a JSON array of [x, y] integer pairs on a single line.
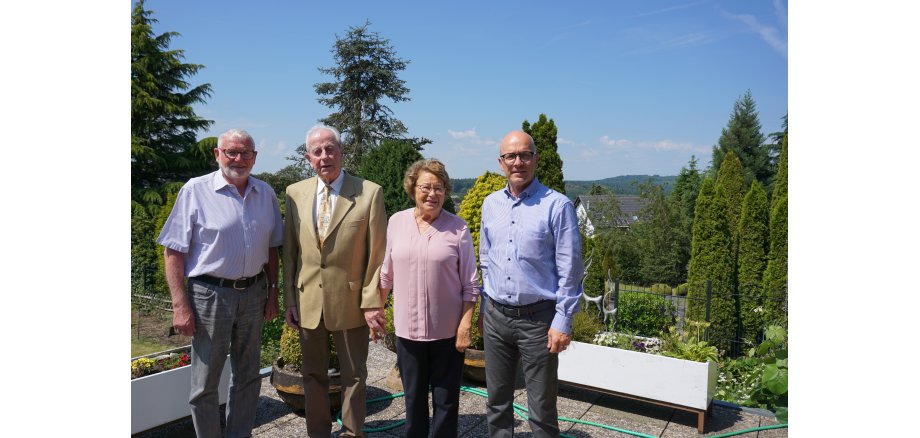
[[325, 214]]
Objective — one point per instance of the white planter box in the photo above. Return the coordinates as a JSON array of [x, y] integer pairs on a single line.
[[163, 397], [680, 383]]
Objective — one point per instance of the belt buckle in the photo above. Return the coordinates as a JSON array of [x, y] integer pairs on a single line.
[[240, 279]]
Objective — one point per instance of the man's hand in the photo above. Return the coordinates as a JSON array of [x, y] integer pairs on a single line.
[[271, 309], [290, 317], [558, 341], [183, 320], [464, 337], [376, 322]]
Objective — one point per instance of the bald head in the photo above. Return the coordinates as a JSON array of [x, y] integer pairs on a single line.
[[517, 138], [518, 159]]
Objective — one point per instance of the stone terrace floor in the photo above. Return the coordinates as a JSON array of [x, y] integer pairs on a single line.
[[276, 419]]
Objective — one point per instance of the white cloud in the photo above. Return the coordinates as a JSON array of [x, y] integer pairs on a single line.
[[607, 141], [769, 34], [460, 135], [565, 141], [666, 145], [780, 9]]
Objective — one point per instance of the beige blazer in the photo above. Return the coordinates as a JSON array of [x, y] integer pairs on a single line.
[[335, 281]]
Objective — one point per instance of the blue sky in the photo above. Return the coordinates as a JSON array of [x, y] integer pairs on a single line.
[[634, 87]]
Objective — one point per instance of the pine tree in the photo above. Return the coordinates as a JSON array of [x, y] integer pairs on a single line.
[[163, 123], [366, 71], [711, 260], [730, 183], [549, 167], [743, 137], [753, 246], [471, 207]]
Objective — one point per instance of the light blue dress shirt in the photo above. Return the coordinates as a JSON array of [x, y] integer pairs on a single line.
[[222, 233], [530, 250]]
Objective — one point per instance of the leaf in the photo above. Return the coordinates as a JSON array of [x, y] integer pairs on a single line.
[[782, 414], [779, 384], [769, 373]]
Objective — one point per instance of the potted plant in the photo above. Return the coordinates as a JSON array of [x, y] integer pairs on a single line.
[[160, 388], [288, 380]]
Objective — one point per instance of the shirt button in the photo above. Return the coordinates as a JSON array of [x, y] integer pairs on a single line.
[[321, 286], [509, 259], [509, 278]]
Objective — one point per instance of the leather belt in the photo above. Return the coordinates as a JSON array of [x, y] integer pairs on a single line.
[[525, 310], [238, 284]]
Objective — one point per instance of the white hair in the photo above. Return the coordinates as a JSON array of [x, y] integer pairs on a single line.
[[236, 134], [319, 127]]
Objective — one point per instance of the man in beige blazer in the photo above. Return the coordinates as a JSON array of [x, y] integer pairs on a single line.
[[334, 241]]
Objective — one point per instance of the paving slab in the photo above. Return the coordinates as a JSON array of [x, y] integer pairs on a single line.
[[276, 419]]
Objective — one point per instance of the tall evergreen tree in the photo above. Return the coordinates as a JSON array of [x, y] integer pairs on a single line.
[[683, 201], [163, 123], [471, 207], [730, 183], [549, 168], [366, 71], [386, 165], [654, 235], [775, 281], [711, 260], [781, 183], [743, 136], [753, 246]]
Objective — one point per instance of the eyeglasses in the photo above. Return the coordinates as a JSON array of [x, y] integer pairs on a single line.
[[247, 155], [509, 158], [427, 189]]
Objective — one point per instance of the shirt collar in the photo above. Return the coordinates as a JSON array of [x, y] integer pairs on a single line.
[[218, 182], [336, 183], [527, 192]]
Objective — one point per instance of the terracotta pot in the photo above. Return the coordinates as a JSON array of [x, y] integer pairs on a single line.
[[474, 365], [289, 385]]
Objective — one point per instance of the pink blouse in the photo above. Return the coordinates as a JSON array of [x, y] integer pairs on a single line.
[[431, 275]]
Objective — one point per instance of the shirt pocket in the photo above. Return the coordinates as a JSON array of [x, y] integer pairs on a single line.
[[533, 248]]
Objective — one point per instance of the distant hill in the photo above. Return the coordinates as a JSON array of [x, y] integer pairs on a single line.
[[621, 185]]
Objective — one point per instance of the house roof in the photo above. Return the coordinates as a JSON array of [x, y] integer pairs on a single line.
[[630, 206]]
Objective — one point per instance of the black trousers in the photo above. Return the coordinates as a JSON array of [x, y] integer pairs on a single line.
[[434, 363]]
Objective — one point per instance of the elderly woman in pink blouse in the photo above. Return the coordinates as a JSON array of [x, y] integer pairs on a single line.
[[431, 268]]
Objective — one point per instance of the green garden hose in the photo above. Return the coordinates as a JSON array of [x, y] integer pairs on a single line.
[[522, 411]]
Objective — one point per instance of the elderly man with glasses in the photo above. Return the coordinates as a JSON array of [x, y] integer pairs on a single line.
[[530, 255], [223, 234]]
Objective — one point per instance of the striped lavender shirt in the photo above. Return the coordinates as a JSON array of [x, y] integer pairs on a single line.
[[222, 233], [530, 250]]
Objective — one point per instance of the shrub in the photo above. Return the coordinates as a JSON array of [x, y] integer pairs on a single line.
[[643, 313], [585, 326], [682, 289], [660, 289], [289, 347]]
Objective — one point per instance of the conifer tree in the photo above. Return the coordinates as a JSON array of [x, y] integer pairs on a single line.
[[386, 165], [730, 183], [781, 183], [549, 167], [366, 71], [743, 136], [683, 201], [753, 246], [775, 277], [471, 206], [163, 123], [711, 260]]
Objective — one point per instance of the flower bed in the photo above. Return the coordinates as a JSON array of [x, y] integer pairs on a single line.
[[161, 395]]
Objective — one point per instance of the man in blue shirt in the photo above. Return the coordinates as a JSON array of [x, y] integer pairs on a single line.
[[530, 255], [223, 234]]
